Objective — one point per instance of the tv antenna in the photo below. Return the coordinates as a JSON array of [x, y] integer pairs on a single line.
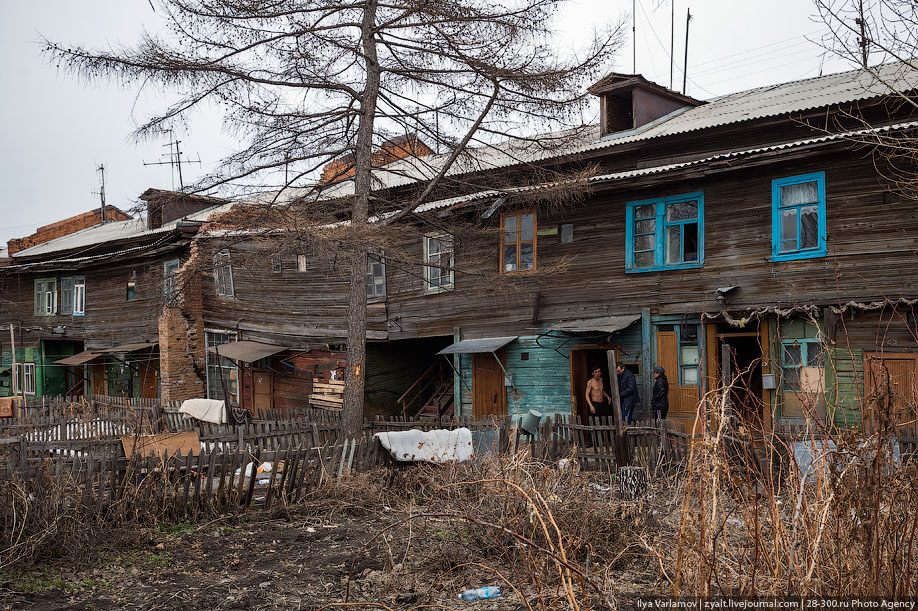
[[174, 160], [101, 191]]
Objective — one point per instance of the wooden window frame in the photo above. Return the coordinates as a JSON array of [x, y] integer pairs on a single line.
[[223, 274], [382, 261], [41, 307], [19, 376], [820, 249], [169, 279], [518, 214], [79, 289], [428, 288], [661, 224]]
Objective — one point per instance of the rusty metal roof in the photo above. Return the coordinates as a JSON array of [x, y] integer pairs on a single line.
[[246, 351], [77, 359]]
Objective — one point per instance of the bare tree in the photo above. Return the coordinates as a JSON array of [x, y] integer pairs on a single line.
[[305, 82], [880, 37]]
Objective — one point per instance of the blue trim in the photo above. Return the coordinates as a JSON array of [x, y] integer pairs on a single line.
[[800, 253], [660, 225]]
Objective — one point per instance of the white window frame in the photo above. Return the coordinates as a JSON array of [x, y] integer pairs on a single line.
[[48, 300], [223, 274], [26, 373], [79, 296], [436, 271]]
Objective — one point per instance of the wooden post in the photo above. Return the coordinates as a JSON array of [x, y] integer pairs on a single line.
[[647, 350], [613, 392]]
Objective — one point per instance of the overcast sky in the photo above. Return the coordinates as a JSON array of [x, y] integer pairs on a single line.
[[55, 130]]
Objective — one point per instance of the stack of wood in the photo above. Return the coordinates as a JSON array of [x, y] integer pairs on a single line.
[[327, 394]]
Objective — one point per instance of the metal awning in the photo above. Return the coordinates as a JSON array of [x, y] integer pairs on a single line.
[[77, 359], [477, 346], [603, 324], [128, 347], [246, 351]]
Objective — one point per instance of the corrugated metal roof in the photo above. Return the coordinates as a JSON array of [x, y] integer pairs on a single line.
[[245, 350], [128, 347], [605, 324], [477, 346], [77, 359]]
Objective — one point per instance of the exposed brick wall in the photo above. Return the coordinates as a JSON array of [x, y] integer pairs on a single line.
[[182, 362], [391, 150], [65, 227]]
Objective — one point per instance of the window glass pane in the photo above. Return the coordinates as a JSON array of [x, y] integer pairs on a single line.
[[509, 229], [809, 227], [510, 258], [690, 247], [792, 356], [673, 244], [800, 193], [690, 376], [682, 211], [647, 211], [788, 235], [526, 223], [643, 242], [567, 233], [691, 355], [526, 256], [814, 354], [130, 291], [645, 226], [643, 259]]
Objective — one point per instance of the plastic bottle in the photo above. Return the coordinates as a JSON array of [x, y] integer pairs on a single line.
[[480, 593]]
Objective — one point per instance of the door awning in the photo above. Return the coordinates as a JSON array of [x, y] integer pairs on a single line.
[[477, 346], [603, 324], [77, 359], [246, 351], [127, 347]]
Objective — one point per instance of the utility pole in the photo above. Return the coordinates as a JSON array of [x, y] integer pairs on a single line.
[[101, 170], [634, 36], [862, 41], [672, 39], [688, 19], [16, 381]]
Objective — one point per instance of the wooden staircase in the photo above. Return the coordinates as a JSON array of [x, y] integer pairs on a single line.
[[431, 396]]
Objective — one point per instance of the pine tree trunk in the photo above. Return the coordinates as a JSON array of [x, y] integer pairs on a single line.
[[355, 374]]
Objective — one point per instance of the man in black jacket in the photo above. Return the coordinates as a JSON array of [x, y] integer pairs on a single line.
[[659, 400], [627, 392]]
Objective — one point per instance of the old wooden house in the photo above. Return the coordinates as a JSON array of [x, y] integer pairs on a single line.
[[747, 240]]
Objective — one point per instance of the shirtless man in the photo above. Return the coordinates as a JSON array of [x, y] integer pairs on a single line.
[[596, 395]]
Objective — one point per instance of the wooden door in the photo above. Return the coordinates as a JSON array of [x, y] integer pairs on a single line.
[[489, 395], [668, 359], [892, 391], [262, 390]]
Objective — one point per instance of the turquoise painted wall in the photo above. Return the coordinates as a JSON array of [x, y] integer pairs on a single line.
[[23, 355], [543, 381]]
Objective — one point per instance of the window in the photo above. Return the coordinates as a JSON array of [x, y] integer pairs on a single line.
[[277, 264], [665, 233], [376, 276], [46, 297], [170, 269], [517, 241], [438, 254], [130, 290], [73, 296], [301, 263], [221, 371], [798, 212], [689, 355], [24, 379], [566, 233], [223, 274], [799, 355]]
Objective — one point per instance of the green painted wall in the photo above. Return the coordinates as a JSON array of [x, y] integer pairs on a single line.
[[23, 355], [52, 378]]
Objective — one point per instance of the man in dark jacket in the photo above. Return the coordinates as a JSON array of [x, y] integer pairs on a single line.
[[659, 401], [627, 392]]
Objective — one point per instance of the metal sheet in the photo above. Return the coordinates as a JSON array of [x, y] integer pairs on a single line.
[[476, 346], [246, 351], [77, 359], [128, 347], [604, 324]]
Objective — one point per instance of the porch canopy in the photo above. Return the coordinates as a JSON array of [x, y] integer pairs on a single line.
[[478, 346], [603, 324], [77, 359], [128, 347], [246, 351]]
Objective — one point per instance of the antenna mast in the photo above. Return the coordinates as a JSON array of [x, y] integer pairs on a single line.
[[175, 159], [688, 19], [101, 192]]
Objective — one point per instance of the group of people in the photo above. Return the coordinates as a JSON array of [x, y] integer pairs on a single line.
[[601, 403]]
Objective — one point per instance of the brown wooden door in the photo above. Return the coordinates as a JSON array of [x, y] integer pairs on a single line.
[[683, 400], [489, 396], [262, 390], [892, 391]]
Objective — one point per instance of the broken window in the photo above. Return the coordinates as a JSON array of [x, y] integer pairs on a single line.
[[664, 233], [223, 273], [517, 241], [376, 277], [799, 217], [438, 255]]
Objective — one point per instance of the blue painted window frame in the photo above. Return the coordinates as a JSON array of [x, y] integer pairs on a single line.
[[805, 344], [800, 253], [660, 233]]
